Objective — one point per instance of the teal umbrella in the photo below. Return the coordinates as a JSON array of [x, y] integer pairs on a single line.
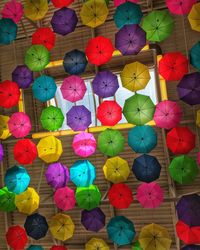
[[35, 247], [8, 30], [195, 55], [7, 200]]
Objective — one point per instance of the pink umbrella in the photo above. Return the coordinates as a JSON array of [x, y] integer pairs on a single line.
[[19, 124], [167, 114], [65, 198], [150, 195], [84, 144], [180, 7], [73, 88], [13, 10], [119, 2]]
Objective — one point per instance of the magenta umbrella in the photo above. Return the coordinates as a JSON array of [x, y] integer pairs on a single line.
[[65, 198], [13, 10], [180, 7], [19, 124], [119, 2]]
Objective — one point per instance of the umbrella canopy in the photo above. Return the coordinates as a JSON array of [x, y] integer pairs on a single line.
[[61, 226], [8, 31], [13, 10], [142, 139], [179, 7], [88, 197], [158, 25], [95, 244], [136, 246], [4, 131], [193, 17], [64, 21], [99, 50], [1, 152], [35, 10], [35, 247], [150, 195], [194, 55], [61, 3], [119, 2], [64, 198], [7, 200], [154, 236], [16, 237], [93, 220], [23, 76], [120, 230], [58, 248], [191, 247], [183, 169]]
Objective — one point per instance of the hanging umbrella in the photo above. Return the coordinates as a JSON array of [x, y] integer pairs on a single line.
[[193, 17], [1, 152], [8, 31], [61, 3], [95, 244], [150, 195], [136, 246], [13, 10], [99, 50], [7, 200], [61, 226], [191, 247], [64, 198], [158, 25], [111, 142], [58, 248], [23, 76], [119, 2], [4, 131], [16, 237], [35, 10], [78, 118], [194, 54], [73, 88], [179, 7], [35, 247], [167, 114]]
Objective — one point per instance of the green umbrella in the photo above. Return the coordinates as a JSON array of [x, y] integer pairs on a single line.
[[88, 197], [158, 25], [183, 169], [52, 118], [136, 246], [7, 200], [138, 109], [111, 142]]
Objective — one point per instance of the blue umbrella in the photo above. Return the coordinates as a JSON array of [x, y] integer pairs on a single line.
[[8, 31], [17, 179], [191, 247], [121, 230], [142, 139], [35, 247], [195, 55], [146, 168], [82, 173]]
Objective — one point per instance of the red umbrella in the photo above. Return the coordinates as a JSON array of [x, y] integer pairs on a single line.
[[99, 50], [180, 140], [120, 196], [109, 113], [9, 94], [58, 248], [61, 3], [16, 237]]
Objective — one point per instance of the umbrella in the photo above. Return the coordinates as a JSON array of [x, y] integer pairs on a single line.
[[179, 7], [64, 198], [191, 247], [154, 236], [1, 152], [158, 25], [109, 113], [35, 247], [136, 246], [49, 149], [95, 244], [93, 220], [44, 88], [73, 88], [25, 151], [120, 196], [120, 230], [78, 118], [150, 195], [61, 3], [105, 84], [4, 131], [173, 66], [94, 13], [8, 31], [64, 21], [88, 197], [119, 2], [142, 139], [183, 169], [180, 140], [16, 237], [82, 173], [127, 13], [28, 201], [9, 94], [99, 50], [13, 10], [37, 57], [111, 142], [19, 124], [130, 39], [193, 17], [167, 114], [75, 62], [35, 10], [44, 36], [146, 168], [194, 55], [84, 144], [138, 109], [52, 118], [7, 200], [58, 247], [23, 76], [17, 179], [61, 226]]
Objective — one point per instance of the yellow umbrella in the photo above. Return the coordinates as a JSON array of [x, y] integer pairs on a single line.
[[4, 131], [49, 149], [135, 76], [116, 170], [28, 201], [194, 17], [35, 9], [96, 244], [61, 226], [198, 118], [94, 13], [154, 237]]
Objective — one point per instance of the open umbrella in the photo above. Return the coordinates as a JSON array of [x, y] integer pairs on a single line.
[[64, 198], [61, 3], [136, 246], [1, 152], [7, 200], [4, 131], [35, 247], [119, 2], [35, 10], [13, 10], [23, 76], [194, 55], [95, 244], [179, 7], [8, 31], [193, 17], [16, 237], [191, 247], [58, 247]]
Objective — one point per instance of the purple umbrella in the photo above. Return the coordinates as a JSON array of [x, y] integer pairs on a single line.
[[189, 88], [79, 118], [191, 247], [57, 175], [130, 39], [1, 152], [64, 21], [23, 76], [93, 220], [105, 84]]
